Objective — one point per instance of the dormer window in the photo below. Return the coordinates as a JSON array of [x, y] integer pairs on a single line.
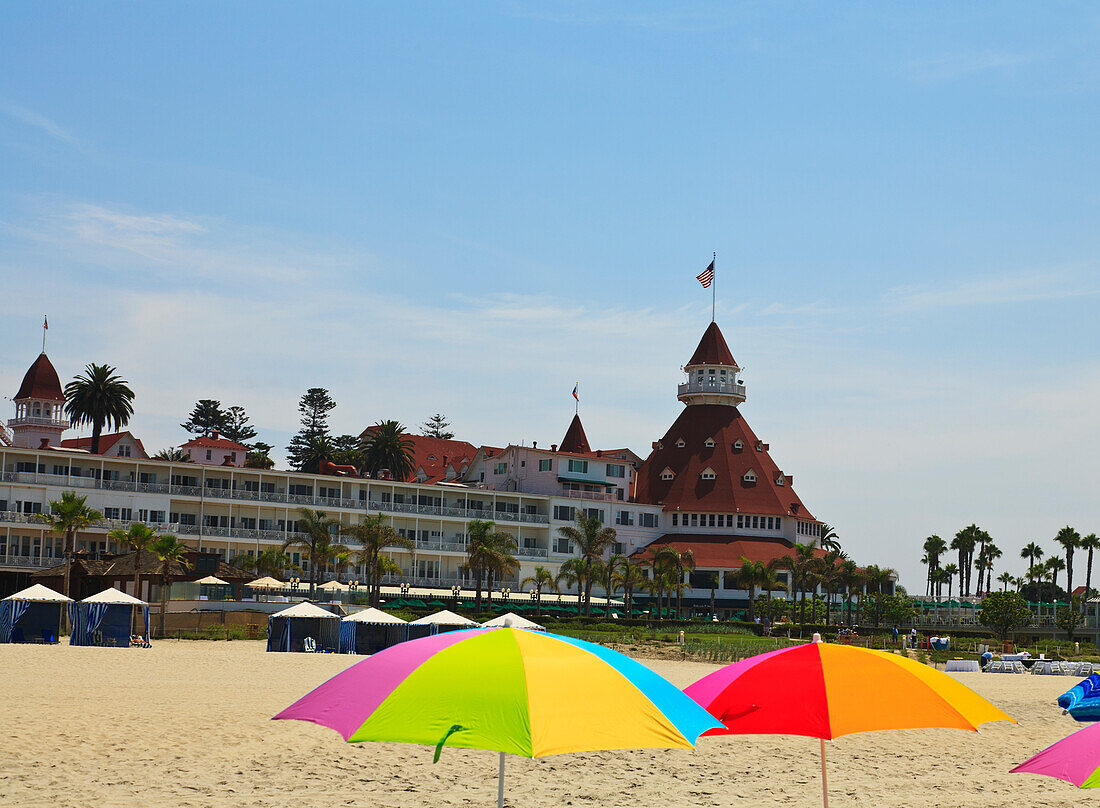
[[668, 474], [760, 446], [750, 476], [708, 474], [709, 443], [780, 480], [738, 446], [680, 444]]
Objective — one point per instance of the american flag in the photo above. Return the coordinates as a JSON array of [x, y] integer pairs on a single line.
[[575, 388], [706, 277]]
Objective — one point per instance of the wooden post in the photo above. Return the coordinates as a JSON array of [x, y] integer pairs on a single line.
[[824, 780]]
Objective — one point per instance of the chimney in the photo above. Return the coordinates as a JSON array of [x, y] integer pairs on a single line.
[[599, 453], [534, 444], [214, 434], [44, 443], [553, 447]]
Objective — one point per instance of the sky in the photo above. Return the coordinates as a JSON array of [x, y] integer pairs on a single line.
[[469, 208]]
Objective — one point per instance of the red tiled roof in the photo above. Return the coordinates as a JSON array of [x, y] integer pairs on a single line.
[[41, 381], [433, 455], [712, 349], [723, 551], [727, 493], [106, 443], [337, 470], [205, 442], [575, 440]]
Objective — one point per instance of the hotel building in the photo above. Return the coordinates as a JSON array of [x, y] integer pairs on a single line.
[[708, 485]]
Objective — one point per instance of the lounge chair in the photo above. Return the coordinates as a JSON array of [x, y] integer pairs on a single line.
[[309, 645]]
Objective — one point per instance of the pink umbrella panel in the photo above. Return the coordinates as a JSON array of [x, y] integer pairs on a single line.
[[1075, 759]]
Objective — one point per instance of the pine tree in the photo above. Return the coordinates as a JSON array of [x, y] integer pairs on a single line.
[[236, 426], [207, 417], [436, 427], [314, 408]]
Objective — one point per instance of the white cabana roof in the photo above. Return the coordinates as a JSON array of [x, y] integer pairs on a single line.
[[513, 620], [333, 586], [372, 615], [115, 596], [266, 583], [305, 610], [444, 618], [213, 580], [39, 594]]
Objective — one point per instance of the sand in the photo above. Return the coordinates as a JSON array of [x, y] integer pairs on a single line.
[[186, 724]]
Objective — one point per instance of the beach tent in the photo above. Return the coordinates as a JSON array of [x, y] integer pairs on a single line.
[[333, 586], [439, 622], [32, 615], [287, 630], [513, 620], [104, 619], [371, 630], [265, 583], [224, 587]]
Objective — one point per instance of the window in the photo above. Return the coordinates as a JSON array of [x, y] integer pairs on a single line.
[[594, 513], [710, 520], [624, 518], [123, 451], [578, 466], [738, 446], [769, 526], [564, 513], [616, 470], [740, 520], [667, 474], [721, 520], [299, 490], [208, 454], [709, 443], [695, 520], [562, 546], [755, 522], [729, 579], [708, 474], [674, 519], [780, 480], [650, 519], [546, 465], [750, 476], [703, 579], [500, 468], [778, 523], [760, 446], [680, 443]]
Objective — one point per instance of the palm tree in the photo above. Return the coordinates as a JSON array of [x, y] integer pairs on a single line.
[[481, 552], [387, 447], [934, 547], [139, 536], [591, 539], [572, 573], [964, 542], [828, 540], [173, 455], [658, 563], [630, 577], [1054, 566], [315, 532], [609, 577], [68, 516], [951, 570], [851, 577], [318, 449], [374, 533], [1069, 539], [749, 575], [770, 581], [542, 578], [99, 398], [169, 550], [1032, 552], [992, 553], [1005, 578], [501, 558], [673, 564], [1090, 542], [801, 566]]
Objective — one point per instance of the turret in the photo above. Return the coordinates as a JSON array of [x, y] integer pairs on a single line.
[[712, 373], [39, 407]]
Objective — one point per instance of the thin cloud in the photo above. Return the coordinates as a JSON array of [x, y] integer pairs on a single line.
[[950, 66], [990, 291], [29, 117]]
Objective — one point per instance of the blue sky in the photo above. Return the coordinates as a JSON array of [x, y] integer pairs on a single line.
[[469, 208]]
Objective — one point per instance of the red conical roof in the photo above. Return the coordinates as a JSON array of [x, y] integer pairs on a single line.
[[728, 492], [575, 440], [712, 349], [41, 382]]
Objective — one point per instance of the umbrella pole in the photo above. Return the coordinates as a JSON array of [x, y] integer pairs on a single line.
[[824, 780], [500, 782]]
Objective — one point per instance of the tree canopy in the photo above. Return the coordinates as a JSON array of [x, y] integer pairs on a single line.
[[1003, 612], [314, 407], [100, 398], [436, 427]]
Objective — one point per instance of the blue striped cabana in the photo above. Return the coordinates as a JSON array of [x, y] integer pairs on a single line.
[[104, 619], [32, 615]]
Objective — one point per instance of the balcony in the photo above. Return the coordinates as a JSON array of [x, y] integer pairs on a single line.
[[31, 420], [704, 387], [599, 496]]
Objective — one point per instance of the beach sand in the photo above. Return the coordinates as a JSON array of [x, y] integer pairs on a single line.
[[187, 724]]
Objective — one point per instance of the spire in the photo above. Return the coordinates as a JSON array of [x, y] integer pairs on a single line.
[[712, 349], [575, 440], [712, 373], [41, 382]]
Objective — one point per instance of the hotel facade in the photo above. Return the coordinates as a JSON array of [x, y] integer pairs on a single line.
[[708, 485]]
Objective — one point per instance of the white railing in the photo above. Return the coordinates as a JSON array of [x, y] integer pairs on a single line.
[[31, 420], [707, 386], [600, 496]]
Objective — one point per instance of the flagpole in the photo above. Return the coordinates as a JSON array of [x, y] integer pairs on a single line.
[[44, 326], [713, 284]]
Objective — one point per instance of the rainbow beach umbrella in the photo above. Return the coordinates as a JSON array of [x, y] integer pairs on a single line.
[[826, 691], [507, 690], [1075, 759]]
